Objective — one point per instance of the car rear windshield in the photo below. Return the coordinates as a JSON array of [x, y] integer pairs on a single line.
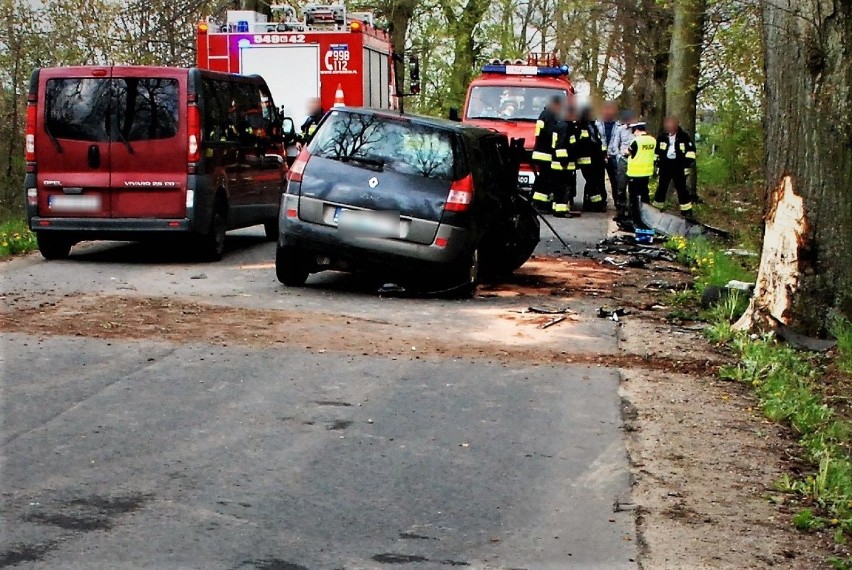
[[373, 141], [92, 109]]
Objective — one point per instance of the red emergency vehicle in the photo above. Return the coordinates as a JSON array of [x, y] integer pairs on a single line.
[[509, 96], [327, 50]]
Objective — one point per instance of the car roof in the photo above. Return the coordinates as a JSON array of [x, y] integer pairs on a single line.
[[423, 120]]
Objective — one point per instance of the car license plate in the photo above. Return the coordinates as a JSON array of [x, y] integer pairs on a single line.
[[74, 204], [367, 223]]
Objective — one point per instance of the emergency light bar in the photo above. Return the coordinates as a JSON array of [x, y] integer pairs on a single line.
[[506, 69]]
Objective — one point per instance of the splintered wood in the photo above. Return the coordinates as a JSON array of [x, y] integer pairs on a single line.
[[779, 272]]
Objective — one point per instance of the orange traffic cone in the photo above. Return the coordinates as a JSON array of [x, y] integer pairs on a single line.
[[338, 97]]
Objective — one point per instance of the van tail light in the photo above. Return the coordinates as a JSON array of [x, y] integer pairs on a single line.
[[461, 195], [193, 124], [298, 169], [30, 150]]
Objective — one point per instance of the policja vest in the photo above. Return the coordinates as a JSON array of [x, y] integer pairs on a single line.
[[641, 165]]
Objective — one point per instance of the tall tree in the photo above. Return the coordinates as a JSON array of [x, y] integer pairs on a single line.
[[685, 61], [462, 21], [806, 272]]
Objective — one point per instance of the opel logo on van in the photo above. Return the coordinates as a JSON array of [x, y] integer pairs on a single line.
[[373, 182]]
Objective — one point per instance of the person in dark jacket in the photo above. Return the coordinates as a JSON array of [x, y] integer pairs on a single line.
[[591, 160], [542, 155], [315, 115], [675, 157]]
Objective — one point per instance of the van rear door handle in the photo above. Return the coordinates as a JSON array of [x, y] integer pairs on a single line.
[[94, 156]]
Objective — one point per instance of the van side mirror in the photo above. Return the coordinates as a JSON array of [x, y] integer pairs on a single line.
[[454, 115], [288, 129], [414, 74]]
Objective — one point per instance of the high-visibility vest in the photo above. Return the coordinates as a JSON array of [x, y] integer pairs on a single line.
[[642, 165]]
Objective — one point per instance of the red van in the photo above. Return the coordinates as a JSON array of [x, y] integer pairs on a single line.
[[131, 153]]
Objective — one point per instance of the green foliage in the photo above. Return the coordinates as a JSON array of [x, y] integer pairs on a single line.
[[842, 331], [709, 263], [16, 238], [784, 382]]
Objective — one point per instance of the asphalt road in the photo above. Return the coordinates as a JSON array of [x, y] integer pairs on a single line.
[[148, 454]]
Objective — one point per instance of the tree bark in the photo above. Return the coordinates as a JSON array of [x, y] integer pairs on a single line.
[[808, 130], [685, 62]]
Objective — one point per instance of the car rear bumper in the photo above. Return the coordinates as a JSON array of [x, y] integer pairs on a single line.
[[110, 228], [349, 252]]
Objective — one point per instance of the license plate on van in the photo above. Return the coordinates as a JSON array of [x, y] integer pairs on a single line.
[[74, 204]]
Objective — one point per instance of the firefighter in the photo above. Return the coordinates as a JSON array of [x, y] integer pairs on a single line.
[[641, 156], [564, 165], [591, 152], [315, 115], [542, 155], [676, 156]]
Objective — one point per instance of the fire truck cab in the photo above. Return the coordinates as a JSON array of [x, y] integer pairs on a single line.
[[509, 96], [329, 53]]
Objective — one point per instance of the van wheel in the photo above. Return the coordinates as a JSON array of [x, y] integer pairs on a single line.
[[291, 266], [270, 228], [213, 243], [52, 246]]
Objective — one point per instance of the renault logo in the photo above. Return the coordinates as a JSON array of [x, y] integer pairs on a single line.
[[373, 182]]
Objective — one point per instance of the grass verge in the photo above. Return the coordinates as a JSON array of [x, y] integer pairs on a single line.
[[16, 238], [787, 383]]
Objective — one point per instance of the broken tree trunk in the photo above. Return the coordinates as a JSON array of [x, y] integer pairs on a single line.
[[808, 130], [778, 277]]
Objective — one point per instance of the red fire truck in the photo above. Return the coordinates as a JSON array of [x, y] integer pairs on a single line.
[[509, 96], [325, 52]]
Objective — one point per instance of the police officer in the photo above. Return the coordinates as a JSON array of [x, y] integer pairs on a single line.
[[591, 159], [564, 163], [676, 156], [618, 148], [542, 155], [315, 115], [641, 156]]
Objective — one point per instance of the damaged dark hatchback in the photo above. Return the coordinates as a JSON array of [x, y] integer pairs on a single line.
[[424, 200]]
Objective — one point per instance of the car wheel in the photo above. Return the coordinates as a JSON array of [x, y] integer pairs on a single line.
[[291, 266], [469, 276], [270, 228], [213, 243], [53, 247]]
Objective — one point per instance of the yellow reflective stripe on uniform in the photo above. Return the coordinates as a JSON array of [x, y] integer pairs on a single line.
[[573, 139], [595, 199], [690, 154], [553, 140], [584, 135], [559, 208], [571, 166], [542, 156], [584, 160], [312, 129], [658, 205], [538, 126], [664, 146], [561, 153], [540, 197], [603, 147], [686, 207], [556, 166]]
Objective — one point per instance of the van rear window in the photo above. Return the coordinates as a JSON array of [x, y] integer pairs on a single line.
[[78, 109], [100, 110], [375, 141]]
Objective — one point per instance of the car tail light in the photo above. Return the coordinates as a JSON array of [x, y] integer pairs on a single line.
[[461, 195], [193, 124], [30, 133], [298, 168]]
